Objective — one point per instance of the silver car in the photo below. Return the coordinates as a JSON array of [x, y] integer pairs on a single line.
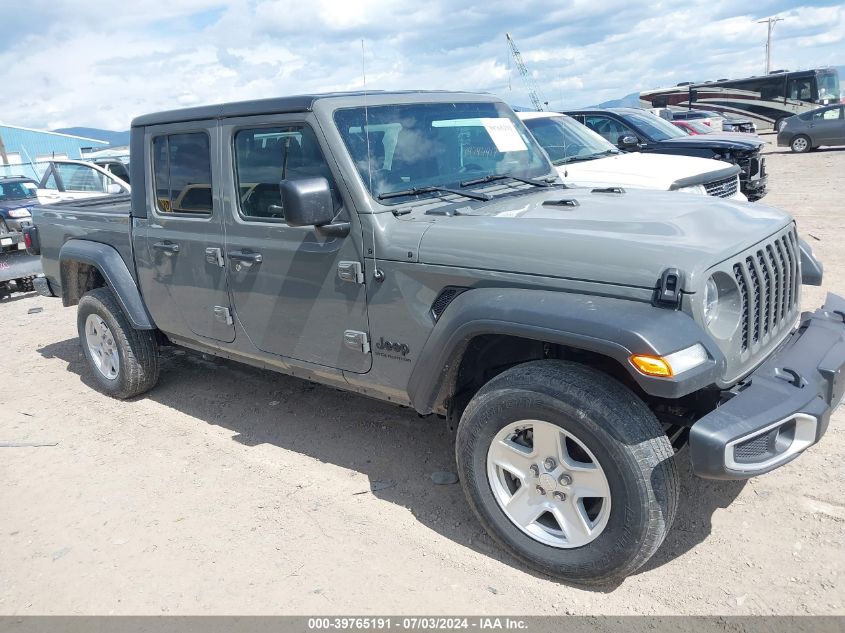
[[824, 126]]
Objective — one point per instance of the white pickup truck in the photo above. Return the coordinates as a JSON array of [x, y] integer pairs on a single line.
[[584, 158]]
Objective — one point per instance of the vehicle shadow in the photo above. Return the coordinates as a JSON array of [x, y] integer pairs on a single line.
[[819, 150], [18, 296], [365, 435], [699, 499]]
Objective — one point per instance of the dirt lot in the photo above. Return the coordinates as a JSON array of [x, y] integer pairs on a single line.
[[231, 490]]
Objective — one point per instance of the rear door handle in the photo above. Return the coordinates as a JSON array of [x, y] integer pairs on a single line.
[[167, 247], [245, 258]]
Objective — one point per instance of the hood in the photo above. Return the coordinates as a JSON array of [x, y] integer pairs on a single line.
[[23, 203], [625, 239], [722, 140], [641, 170]]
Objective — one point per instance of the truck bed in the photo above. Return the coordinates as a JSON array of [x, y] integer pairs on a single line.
[[103, 219]]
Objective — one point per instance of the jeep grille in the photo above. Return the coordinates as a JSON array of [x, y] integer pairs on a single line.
[[768, 280]]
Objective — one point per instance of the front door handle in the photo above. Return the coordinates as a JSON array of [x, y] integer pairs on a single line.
[[246, 258], [167, 247]]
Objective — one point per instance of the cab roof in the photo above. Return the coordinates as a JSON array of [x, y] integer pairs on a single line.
[[298, 103]]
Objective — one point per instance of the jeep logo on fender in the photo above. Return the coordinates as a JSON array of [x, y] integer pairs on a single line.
[[389, 346]]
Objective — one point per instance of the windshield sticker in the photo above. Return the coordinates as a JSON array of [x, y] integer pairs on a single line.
[[504, 135], [501, 131]]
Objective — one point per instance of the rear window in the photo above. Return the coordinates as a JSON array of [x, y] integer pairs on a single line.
[[182, 173]]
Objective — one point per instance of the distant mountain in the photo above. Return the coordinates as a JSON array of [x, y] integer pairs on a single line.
[[628, 101], [111, 137]]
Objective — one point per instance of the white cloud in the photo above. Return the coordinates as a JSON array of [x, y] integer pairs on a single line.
[[63, 65]]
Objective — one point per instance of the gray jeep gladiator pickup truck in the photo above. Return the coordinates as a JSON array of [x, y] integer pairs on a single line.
[[418, 247]]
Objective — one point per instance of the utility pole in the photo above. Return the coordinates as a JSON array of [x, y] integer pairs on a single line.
[[771, 25]]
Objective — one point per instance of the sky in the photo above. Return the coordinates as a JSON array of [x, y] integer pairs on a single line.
[[97, 64]]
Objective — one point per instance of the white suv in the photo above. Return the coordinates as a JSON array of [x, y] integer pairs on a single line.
[[584, 158]]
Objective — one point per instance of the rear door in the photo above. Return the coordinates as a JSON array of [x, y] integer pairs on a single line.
[[185, 282], [287, 290]]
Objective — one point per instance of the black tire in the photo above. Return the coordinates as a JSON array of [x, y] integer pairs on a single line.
[[620, 431], [137, 349], [800, 144]]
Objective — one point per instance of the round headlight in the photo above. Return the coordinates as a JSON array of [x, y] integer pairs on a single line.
[[721, 305], [711, 300]]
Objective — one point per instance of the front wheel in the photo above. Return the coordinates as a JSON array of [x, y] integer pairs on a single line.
[[800, 144], [123, 360], [569, 470]]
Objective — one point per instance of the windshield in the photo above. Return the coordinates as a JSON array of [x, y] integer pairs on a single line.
[[653, 126], [18, 190], [700, 128], [565, 139], [436, 144], [828, 83]]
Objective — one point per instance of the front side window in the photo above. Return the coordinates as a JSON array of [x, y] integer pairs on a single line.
[[401, 147], [182, 173], [266, 156], [81, 178], [607, 128], [830, 114], [652, 125], [828, 85], [565, 139]]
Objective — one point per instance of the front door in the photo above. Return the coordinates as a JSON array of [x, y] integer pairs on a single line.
[[184, 280], [826, 126], [286, 290]]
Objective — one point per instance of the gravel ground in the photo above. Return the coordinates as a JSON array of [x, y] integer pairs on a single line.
[[232, 490]]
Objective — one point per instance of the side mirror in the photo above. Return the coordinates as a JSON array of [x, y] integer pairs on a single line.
[[113, 187], [308, 202], [627, 141]]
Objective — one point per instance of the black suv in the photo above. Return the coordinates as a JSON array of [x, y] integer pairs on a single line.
[[631, 129], [18, 194]]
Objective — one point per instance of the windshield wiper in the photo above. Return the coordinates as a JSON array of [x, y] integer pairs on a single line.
[[418, 190], [494, 177], [577, 159]]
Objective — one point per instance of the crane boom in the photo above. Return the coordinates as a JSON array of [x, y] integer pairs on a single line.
[[526, 76]]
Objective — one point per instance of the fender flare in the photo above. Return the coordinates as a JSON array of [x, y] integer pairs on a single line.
[[812, 270], [616, 328], [108, 261]]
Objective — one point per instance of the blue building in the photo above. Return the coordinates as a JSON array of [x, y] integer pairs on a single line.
[[21, 149]]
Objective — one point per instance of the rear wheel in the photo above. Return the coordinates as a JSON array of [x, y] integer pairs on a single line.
[[801, 144], [568, 470], [124, 361]]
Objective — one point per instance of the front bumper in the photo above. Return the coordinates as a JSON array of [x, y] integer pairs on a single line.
[[753, 179], [782, 408], [18, 224]]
